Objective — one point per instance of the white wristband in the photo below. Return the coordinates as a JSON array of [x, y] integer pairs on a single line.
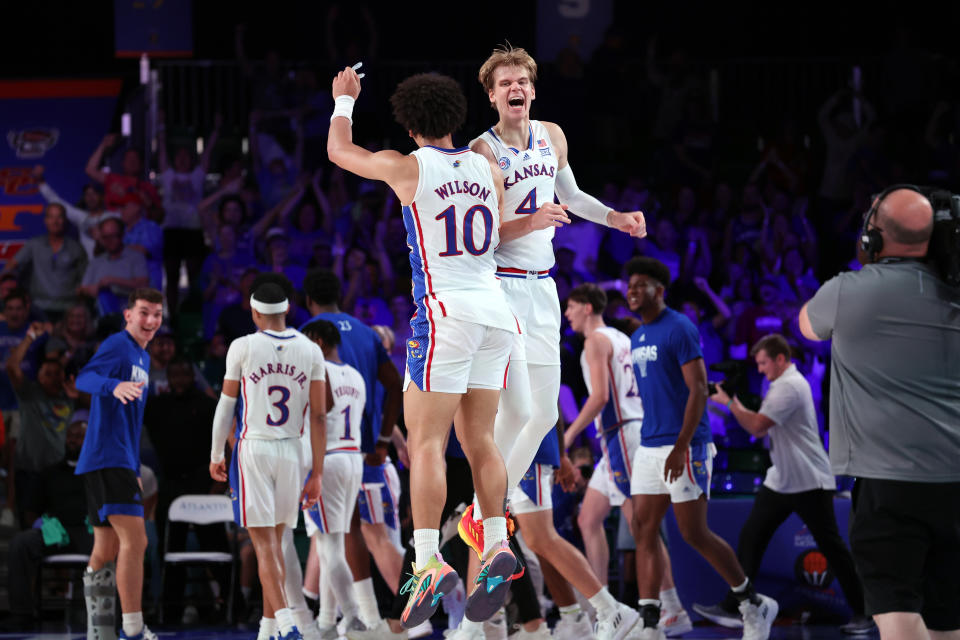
[[343, 107]]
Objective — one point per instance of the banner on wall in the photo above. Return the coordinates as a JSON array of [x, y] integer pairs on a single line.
[[159, 28], [56, 123]]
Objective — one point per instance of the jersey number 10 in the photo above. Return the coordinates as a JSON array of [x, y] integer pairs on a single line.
[[449, 217]]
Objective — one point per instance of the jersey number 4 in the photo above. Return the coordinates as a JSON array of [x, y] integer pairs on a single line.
[[449, 217], [529, 204]]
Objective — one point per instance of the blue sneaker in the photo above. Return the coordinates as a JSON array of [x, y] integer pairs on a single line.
[[293, 634], [145, 634]]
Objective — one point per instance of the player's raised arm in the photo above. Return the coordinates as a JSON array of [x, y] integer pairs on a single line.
[[583, 204], [397, 170]]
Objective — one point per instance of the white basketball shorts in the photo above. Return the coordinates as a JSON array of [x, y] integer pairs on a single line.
[[266, 482], [342, 476]]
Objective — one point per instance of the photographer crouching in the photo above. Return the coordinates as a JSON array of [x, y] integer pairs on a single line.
[[895, 408], [799, 481]]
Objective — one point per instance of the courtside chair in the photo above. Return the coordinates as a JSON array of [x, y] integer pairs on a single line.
[[77, 564], [201, 510]]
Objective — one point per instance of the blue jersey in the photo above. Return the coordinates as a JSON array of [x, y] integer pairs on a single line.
[[113, 429], [658, 351], [361, 348]]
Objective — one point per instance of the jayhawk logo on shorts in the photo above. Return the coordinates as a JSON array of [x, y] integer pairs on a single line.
[[504, 163], [413, 349]]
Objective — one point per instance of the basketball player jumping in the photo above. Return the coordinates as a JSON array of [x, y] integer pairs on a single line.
[[463, 328]]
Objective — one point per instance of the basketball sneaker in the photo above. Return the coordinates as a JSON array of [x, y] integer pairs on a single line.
[[145, 634], [426, 587], [492, 583], [758, 616], [616, 624], [578, 628], [675, 623], [461, 633], [471, 531], [540, 633]]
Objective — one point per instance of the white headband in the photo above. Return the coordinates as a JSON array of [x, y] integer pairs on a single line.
[[269, 308]]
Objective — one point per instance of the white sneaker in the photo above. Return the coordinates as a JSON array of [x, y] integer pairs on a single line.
[[758, 618], [675, 623], [540, 633], [648, 633], [495, 627], [375, 632], [460, 633], [617, 625], [328, 633], [422, 630], [307, 625], [578, 628]]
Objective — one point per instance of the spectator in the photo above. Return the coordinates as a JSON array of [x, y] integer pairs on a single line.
[[235, 320], [220, 277], [61, 496], [163, 351], [117, 186], [178, 423], [54, 263], [113, 275], [85, 215], [73, 334], [182, 192], [45, 404], [16, 311], [144, 235], [278, 257], [276, 172]]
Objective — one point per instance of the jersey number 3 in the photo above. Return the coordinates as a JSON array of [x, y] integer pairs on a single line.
[[280, 404], [449, 217]]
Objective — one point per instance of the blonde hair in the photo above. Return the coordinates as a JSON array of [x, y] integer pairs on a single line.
[[506, 56]]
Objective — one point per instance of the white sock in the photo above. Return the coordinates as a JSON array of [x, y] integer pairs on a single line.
[[366, 599], [477, 514], [643, 602], [285, 620], [670, 600], [571, 612], [268, 628], [494, 532], [603, 602], [303, 618], [426, 542], [310, 594], [743, 587], [132, 623]]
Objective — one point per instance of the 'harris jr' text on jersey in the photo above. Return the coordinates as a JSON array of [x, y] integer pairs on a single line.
[[453, 227], [528, 180], [659, 350]]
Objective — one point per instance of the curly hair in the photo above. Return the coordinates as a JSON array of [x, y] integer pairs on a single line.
[[506, 56], [650, 267], [429, 104]]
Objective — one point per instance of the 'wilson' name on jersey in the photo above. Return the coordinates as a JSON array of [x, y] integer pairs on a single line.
[[465, 187]]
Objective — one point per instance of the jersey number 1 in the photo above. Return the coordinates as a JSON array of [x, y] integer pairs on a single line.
[[449, 217]]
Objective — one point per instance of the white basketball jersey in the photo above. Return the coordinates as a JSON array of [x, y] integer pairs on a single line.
[[453, 226], [528, 178], [349, 398], [624, 403], [275, 370]]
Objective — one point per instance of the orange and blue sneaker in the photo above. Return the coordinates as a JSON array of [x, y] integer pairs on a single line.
[[492, 583], [426, 587], [471, 531]]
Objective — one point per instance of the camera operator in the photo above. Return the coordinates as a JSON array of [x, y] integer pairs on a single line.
[[799, 481], [895, 417]]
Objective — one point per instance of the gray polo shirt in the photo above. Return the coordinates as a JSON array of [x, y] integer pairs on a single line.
[[895, 372], [129, 264], [54, 276]]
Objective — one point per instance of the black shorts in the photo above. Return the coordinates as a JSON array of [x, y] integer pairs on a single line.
[[905, 539], [183, 243], [112, 492]]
